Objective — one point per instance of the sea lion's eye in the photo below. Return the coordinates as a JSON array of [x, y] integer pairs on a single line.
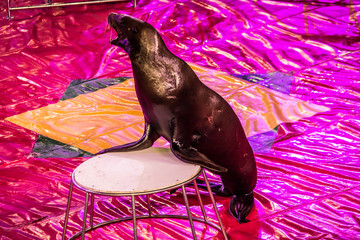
[[134, 30]]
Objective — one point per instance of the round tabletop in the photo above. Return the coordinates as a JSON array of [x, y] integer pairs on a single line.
[[134, 173]]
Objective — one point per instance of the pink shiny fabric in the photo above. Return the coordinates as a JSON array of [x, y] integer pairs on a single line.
[[308, 182]]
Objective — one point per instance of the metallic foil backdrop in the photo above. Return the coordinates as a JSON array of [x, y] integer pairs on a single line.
[[290, 69]]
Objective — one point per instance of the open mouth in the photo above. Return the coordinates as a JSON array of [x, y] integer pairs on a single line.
[[114, 37], [111, 27], [115, 25]]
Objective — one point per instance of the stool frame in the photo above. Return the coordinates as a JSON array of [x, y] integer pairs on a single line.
[[135, 217]]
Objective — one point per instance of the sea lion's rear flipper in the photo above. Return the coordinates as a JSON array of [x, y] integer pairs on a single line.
[[241, 205], [146, 141], [193, 156]]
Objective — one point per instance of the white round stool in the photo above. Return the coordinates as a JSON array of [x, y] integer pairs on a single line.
[[135, 173]]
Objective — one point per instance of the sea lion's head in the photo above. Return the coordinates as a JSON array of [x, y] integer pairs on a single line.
[[133, 35]]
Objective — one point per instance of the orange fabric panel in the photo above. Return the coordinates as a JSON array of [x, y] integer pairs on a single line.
[[113, 116]]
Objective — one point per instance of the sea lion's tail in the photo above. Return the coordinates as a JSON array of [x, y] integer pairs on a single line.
[[241, 205]]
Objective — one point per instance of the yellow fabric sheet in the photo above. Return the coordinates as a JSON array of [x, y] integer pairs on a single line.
[[113, 116]]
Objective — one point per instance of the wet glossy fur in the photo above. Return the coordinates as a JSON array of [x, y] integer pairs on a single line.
[[200, 125]]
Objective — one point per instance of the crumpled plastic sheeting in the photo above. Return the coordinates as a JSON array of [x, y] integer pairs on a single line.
[[112, 116], [308, 180]]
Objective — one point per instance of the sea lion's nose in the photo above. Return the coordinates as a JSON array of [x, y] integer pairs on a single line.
[[115, 17], [111, 17]]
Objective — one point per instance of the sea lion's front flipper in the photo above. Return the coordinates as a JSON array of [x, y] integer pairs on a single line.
[[193, 156], [146, 141]]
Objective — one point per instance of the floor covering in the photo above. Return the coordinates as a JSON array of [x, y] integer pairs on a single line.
[[290, 70]]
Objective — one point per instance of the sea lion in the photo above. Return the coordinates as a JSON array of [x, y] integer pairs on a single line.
[[199, 124]]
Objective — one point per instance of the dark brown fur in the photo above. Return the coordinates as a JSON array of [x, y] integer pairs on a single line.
[[200, 125]]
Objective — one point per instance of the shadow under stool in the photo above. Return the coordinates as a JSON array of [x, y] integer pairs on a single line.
[[136, 173]]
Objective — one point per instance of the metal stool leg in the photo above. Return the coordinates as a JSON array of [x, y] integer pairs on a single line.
[[189, 212], [92, 211], [67, 209], [85, 213], [149, 206], [134, 216], [200, 201], [214, 204], [8, 9]]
